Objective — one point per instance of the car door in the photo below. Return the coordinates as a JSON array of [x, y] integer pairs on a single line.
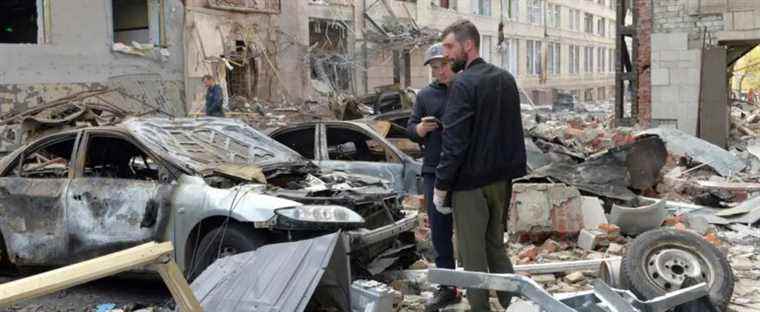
[[302, 139], [356, 150], [32, 201], [118, 198]]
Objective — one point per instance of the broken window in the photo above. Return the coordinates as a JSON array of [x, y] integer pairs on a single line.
[[242, 78], [137, 21], [299, 140], [51, 160], [330, 62], [352, 145], [22, 21], [111, 157]]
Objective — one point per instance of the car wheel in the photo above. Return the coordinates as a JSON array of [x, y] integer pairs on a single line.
[[660, 261], [234, 238]]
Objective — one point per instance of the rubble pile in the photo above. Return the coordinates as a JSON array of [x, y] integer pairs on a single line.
[[595, 192]]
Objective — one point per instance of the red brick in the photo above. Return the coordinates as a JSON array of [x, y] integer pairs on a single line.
[[550, 246], [609, 228], [644, 60], [530, 252], [673, 220], [713, 239]]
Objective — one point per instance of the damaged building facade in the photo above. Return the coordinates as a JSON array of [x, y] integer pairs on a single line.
[[52, 49], [684, 46], [254, 49], [548, 45]]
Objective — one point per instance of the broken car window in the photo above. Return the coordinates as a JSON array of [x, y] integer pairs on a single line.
[[109, 157], [300, 140], [352, 145], [48, 161]]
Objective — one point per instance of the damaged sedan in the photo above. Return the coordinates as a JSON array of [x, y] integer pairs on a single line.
[[213, 187], [376, 148]]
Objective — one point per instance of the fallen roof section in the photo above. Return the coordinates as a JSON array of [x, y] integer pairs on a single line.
[[278, 277], [683, 144]]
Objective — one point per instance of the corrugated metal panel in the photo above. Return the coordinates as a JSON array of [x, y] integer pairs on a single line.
[[278, 277]]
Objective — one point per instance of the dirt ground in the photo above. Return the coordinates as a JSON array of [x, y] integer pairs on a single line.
[[127, 293]]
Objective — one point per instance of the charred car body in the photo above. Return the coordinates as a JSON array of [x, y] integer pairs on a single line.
[[377, 148], [211, 186]]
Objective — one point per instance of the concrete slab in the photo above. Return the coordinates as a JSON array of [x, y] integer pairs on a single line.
[[545, 209], [593, 212]]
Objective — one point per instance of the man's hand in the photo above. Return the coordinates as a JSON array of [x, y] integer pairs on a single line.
[[439, 200], [425, 127]]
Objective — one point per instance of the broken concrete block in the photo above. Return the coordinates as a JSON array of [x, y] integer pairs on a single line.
[[545, 209], [523, 306], [575, 277], [550, 246], [544, 278], [615, 249], [593, 212], [590, 239]]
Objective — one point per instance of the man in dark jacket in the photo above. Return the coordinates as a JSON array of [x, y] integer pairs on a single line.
[[424, 128], [482, 151], [214, 97]]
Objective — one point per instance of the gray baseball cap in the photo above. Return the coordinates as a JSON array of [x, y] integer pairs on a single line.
[[433, 53]]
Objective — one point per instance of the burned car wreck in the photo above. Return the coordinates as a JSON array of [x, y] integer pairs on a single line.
[[213, 187]]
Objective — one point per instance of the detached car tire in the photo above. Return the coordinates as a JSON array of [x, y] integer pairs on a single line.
[[658, 261], [237, 238]]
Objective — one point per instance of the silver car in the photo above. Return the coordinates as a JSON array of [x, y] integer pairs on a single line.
[[212, 186]]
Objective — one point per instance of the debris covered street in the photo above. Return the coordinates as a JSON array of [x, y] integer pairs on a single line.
[[297, 155]]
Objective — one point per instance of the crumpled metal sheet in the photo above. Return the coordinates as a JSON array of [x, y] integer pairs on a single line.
[[536, 158], [683, 144], [278, 277], [205, 143], [636, 165]]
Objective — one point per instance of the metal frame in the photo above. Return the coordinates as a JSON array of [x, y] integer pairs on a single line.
[[624, 67], [603, 298]]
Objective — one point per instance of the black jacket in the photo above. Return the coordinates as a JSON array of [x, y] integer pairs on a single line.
[[483, 135], [430, 102]]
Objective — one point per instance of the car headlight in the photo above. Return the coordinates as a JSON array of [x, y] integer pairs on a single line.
[[315, 215]]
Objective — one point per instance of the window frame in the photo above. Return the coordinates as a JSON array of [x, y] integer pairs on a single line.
[[161, 31], [86, 137], [18, 159], [44, 22]]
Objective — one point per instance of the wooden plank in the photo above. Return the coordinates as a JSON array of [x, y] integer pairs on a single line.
[[178, 286], [729, 186], [83, 272]]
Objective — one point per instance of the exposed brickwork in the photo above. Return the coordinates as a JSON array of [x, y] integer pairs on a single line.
[[644, 61]]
